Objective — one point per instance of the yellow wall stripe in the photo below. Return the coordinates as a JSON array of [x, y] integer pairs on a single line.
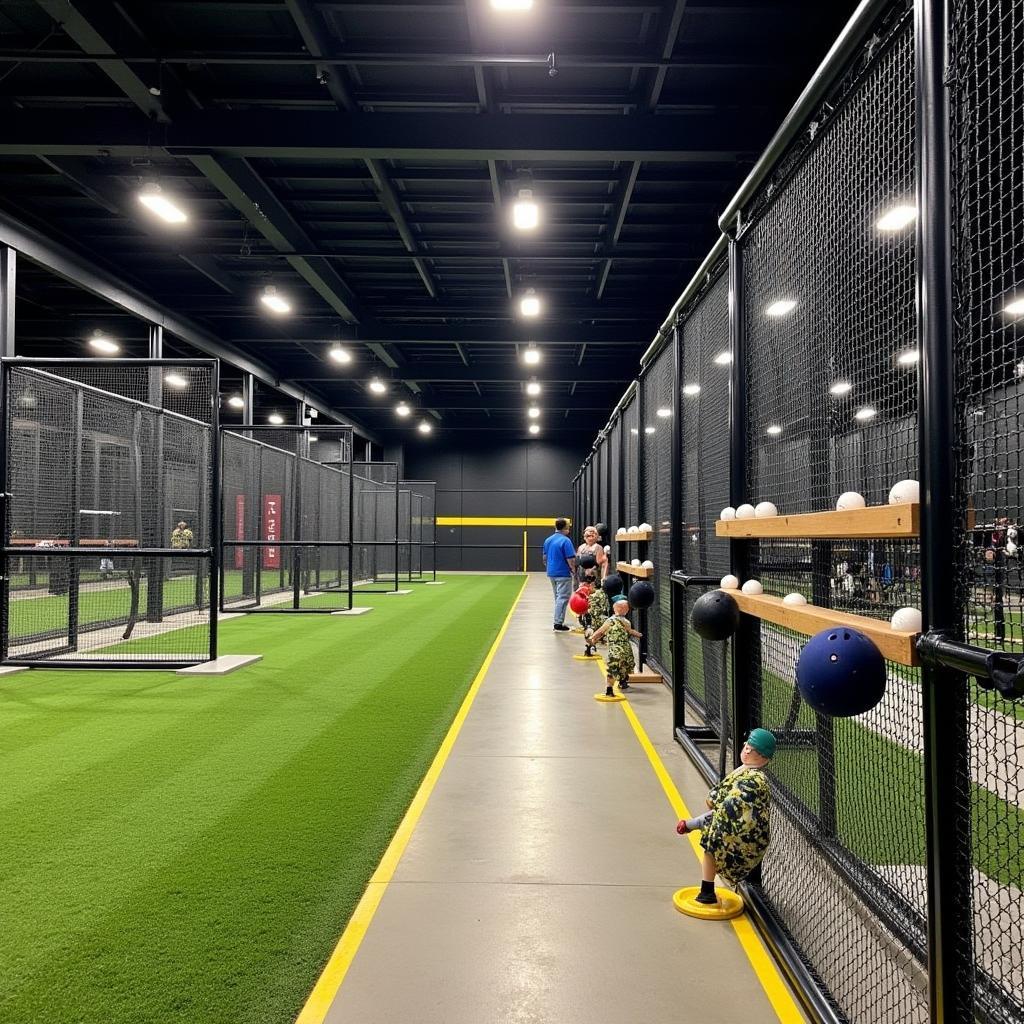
[[520, 521], [326, 988]]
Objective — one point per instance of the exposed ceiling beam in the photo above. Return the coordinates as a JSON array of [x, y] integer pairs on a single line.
[[501, 404], [308, 21], [324, 134], [624, 194], [607, 370], [497, 199], [672, 19]]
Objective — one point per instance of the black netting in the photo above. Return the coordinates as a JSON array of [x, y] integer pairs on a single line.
[[376, 552], [110, 481], [630, 420], [987, 47], [614, 445], [423, 525]]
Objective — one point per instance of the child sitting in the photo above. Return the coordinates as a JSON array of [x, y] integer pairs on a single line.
[[618, 629], [734, 831]]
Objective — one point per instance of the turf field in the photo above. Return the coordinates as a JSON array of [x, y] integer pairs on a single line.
[[188, 850]]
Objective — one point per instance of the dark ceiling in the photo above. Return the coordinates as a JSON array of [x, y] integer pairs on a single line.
[[363, 158]]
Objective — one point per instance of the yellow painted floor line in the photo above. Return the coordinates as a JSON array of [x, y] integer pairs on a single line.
[[775, 988], [329, 982]]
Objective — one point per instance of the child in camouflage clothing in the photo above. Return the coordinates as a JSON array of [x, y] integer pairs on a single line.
[[734, 831], [595, 615], [619, 659]]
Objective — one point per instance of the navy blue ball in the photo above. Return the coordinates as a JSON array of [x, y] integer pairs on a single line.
[[841, 673]]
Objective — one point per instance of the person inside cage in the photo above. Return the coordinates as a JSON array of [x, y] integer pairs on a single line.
[[619, 660], [734, 829], [181, 536]]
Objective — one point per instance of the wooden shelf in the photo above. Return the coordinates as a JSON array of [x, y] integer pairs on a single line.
[[634, 570], [900, 521], [809, 619], [645, 677], [629, 538]]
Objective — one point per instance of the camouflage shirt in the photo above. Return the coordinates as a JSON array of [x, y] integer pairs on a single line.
[[738, 833], [620, 651]]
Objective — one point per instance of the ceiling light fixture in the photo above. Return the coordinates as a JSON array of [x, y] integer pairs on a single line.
[[723, 359], [648, 430], [402, 409], [691, 389], [529, 304], [273, 301], [664, 412], [424, 427], [236, 402], [531, 355], [908, 358], [340, 355], [867, 413], [377, 386], [533, 389], [774, 430], [313, 437], [780, 307], [533, 412], [153, 198], [101, 343], [511, 5], [840, 388], [525, 212], [175, 380], [534, 428], [276, 418], [1014, 307], [897, 218]]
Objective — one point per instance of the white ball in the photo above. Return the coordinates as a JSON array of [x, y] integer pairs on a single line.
[[730, 582], [906, 620], [648, 564], [728, 514], [745, 512], [905, 491], [635, 562], [765, 510], [633, 529], [794, 598], [752, 587], [620, 532], [607, 549], [646, 527], [850, 499]]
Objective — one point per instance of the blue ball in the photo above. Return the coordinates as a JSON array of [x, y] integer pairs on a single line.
[[841, 673]]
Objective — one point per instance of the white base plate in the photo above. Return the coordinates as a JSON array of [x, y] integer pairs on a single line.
[[228, 616], [435, 583], [220, 666], [10, 670], [395, 593], [353, 611]]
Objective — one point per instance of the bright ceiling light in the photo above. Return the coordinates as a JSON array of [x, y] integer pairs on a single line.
[[897, 218], [525, 212], [175, 380], [780, 307], [101, 343], [531, 355], [1015, 307], [402, 409], [276, 418], [533, 412], [424, 427], [533, 389], [314, 437], [691, 389], [377, 386], [534, 428], [633, 430], [153, 198], [529, 304], [664, 412], [840, 388], [867, 413], [340, 355], [648, 430], [274, 302], [909, 357], [723, 359], [236, 402], [774, 430], [511, 5]]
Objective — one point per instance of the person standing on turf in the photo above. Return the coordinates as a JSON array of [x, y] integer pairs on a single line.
[[560, 562]]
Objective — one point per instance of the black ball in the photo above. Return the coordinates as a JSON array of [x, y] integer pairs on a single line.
[[641, 595], [715, 615], [602, 531], [612, 585], [588, 560]]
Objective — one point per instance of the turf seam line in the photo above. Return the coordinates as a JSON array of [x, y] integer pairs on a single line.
[[329, 983]]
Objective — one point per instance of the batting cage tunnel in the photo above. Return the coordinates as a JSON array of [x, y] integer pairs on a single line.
[[859, 324], [110, 481]]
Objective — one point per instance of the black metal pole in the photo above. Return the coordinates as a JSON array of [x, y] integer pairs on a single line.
[[217, 510], [641, 433], [75, 533], [5, 515], [248, 399], [677, 596], [8, 290], [943, 691], [351, 519]]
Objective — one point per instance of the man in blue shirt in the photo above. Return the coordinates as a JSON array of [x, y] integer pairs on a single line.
[[560, 563]]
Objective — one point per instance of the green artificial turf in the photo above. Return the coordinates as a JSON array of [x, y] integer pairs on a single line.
[[183, 849]]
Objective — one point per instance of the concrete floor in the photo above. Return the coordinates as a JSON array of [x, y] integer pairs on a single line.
[[537, 886]]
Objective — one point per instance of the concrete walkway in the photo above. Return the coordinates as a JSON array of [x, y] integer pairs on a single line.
[[537, 885]]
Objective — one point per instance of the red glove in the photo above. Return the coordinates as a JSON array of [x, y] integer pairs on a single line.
[[681, 827]]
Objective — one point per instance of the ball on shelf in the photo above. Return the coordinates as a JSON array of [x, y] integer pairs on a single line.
[[635, 562], [612, 585], [647, 564], [728, 514], [904, 491], [641, 595], [850, 499], [794, 598], [906, 620], [646, 528], [620, 531], [633, 529], [752, 587], [765, 510], [745, 512], [841, 673], [730, 582], [715, 615]]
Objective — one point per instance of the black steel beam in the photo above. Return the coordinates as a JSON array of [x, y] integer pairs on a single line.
[[8, 292], [624, 194], [672, 19], [329, 134], [606, 370], [308, 21]]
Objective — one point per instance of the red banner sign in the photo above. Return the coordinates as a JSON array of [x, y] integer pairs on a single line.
[[271, 530], [239, 529]]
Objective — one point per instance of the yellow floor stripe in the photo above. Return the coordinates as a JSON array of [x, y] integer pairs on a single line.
[[326, 988], [775, 988]]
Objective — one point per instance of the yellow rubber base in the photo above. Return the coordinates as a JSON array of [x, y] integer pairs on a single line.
[[587, 657], [577, 629], [614, 699], [730, 904]]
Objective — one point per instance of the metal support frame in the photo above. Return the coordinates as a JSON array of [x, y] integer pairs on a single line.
[[8, 297]]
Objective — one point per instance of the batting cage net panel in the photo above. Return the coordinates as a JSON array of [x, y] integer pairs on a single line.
[[287, 527], [422, 564], [612, 515], [375, 526], [630, 426], [987, 47], [109, 472]]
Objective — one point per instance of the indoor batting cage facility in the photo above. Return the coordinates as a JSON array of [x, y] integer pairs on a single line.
[[110, 481], [418, 555], [380, 511], [287, 511], [798, 366]]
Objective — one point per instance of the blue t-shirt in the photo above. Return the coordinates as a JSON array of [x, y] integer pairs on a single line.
[[557, 550]]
